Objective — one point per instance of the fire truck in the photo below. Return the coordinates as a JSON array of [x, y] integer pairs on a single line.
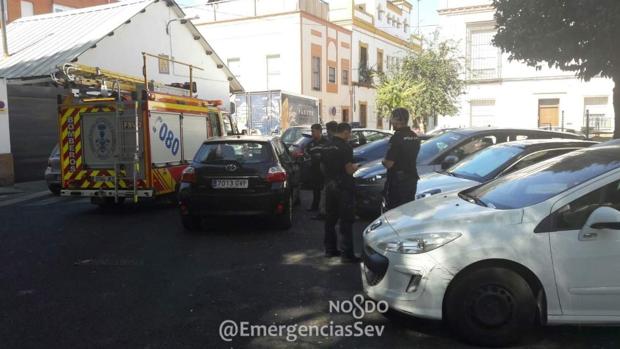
[[125, 137]]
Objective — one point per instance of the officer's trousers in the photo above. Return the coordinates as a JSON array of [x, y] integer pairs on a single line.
[[399, 191], [339, 207]]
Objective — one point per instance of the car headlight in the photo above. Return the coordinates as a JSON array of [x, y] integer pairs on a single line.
[[372, 179], [419, 243], [427, 194]]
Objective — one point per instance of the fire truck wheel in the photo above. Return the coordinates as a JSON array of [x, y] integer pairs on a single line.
[[191, 223]]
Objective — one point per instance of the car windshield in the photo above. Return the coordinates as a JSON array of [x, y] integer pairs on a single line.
[[540, 182], [241, 152], [292, 134], [482, 165], [434, 146], [371, 147]]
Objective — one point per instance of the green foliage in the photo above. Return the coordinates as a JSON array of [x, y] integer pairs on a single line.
[[427, 84], [572, 35]]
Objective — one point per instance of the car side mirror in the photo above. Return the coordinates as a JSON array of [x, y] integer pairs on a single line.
[[603, 218], [449, 161]]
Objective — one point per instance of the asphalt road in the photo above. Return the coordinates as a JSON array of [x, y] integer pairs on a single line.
[[72, 276]]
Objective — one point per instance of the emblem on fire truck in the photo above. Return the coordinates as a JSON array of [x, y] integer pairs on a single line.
[[101, 135]]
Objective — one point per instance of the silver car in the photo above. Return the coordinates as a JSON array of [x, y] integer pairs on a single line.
[[495, 161], [52, 172]]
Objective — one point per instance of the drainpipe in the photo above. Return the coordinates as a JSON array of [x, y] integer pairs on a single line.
[[5, 45]]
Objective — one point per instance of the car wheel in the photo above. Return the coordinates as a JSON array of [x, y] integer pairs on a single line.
[[491, 307], [55, 189], [191, 223], [285, 220]]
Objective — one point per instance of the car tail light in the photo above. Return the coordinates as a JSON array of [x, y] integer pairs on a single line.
[[276, 174], [189, 175]]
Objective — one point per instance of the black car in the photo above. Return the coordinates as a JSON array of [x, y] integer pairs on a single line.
[[369, 152], [440, 153], [363, 136], [242, 175]]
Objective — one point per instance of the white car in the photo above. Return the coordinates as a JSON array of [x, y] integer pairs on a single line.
[[540, 245]]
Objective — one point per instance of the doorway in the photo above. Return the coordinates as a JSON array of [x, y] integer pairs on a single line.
[[363, 114], [549, 112]]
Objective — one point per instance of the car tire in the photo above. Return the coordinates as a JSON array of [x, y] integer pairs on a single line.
[[284, 221], [55, 189], [491, 307], [191, 222]]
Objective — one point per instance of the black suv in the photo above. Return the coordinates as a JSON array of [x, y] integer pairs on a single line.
[[242, 175]]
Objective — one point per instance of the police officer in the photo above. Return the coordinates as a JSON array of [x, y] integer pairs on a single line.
[[400, 161], [313, 152], [331, 128], [339, 204]]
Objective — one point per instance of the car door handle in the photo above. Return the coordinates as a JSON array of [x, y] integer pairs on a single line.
[[589, 236]]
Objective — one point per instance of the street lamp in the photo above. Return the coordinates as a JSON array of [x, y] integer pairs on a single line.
[[182, 20]]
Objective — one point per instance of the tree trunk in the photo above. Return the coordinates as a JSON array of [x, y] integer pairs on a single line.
[[617, 107]]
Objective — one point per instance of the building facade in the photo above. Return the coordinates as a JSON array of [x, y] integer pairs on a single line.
[[23, 8], [287, 45], [94, 36], [511, 94], [381, 36]]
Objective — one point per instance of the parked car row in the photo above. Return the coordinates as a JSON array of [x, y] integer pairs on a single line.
[[436, 154], [521, 234]]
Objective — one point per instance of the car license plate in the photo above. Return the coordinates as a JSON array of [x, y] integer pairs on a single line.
[[229, 183]]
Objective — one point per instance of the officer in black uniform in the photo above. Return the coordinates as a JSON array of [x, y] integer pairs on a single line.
[[400, 161], [339, 168], [331, 128], [315, 176]]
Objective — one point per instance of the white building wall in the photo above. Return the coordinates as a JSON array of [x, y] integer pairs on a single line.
[[331, 41], [147, 32], [252, 41], [518, 89]]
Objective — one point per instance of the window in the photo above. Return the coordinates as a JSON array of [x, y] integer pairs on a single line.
[[61, 8], [600, 119], [574, 215], [240, 152], [164, 64], [380, 12], [545, 180], [316, 73], [331, 75], [27, 8], [537, 157], [273, 72], [363, 56], [482, 113], [474, 145], [234, 64], [363, 114], [380, 61], [345, 77], [483, 56]]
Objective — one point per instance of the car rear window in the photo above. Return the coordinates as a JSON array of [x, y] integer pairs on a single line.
[[241, 152]]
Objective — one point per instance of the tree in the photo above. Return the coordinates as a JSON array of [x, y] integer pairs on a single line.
[[428, 83], [396, 90], [572, 35]]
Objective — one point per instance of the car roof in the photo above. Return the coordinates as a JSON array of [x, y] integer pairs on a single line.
[[473, 130], [241, 138], [546, 143], [370, 129]]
